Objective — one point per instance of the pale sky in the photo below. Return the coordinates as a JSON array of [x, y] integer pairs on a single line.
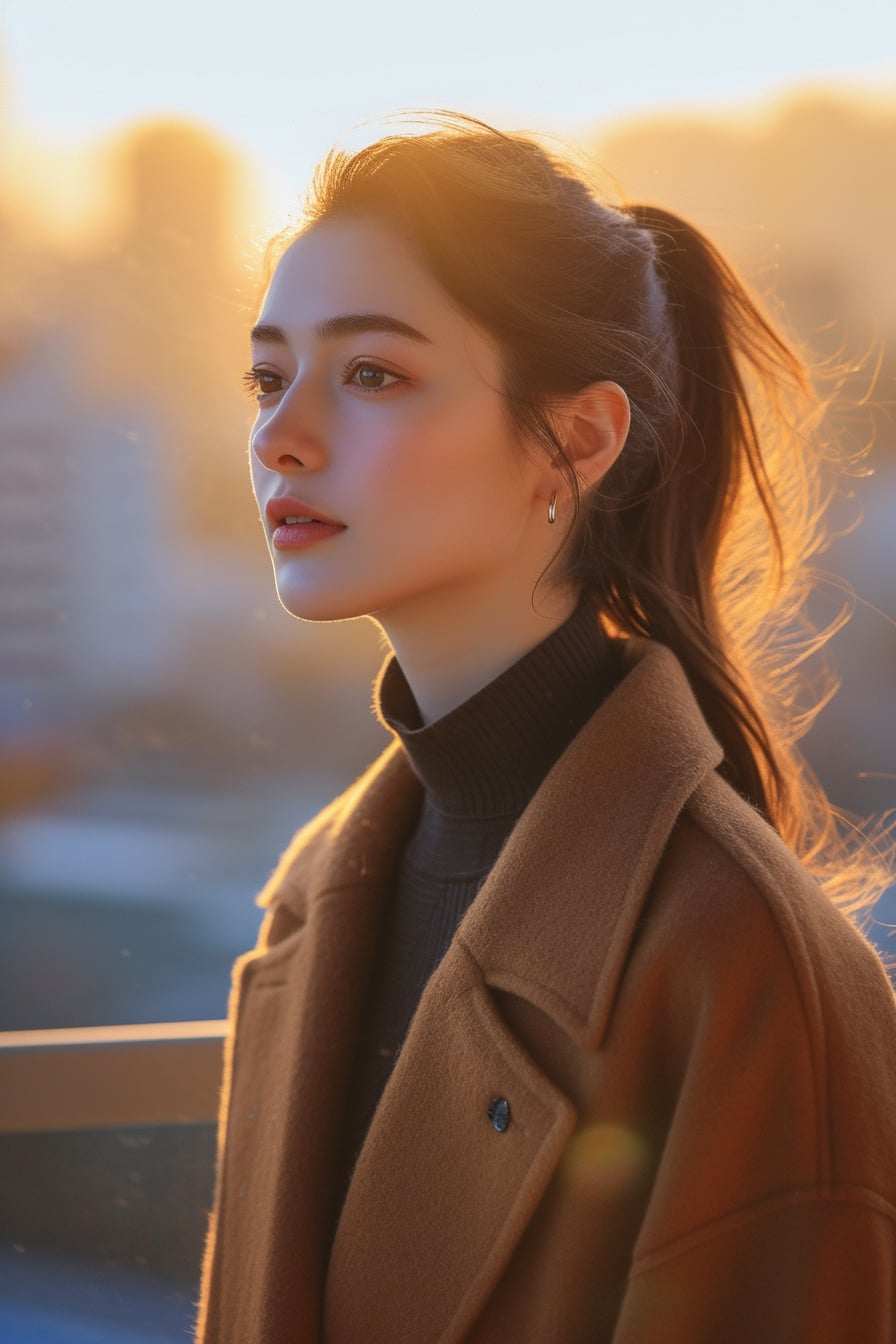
[[284, 79]]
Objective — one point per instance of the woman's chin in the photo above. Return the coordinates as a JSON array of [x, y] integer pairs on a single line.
[[311, 606]]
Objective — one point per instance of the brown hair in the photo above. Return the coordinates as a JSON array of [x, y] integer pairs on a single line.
[[699, 534]]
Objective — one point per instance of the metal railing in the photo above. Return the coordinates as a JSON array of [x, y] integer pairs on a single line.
[[159, 1073]]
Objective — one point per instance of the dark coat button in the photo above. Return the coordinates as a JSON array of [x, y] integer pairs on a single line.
[[499, 1114]]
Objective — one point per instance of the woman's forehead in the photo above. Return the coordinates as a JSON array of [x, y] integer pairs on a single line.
[[358, 261], [350, 267]]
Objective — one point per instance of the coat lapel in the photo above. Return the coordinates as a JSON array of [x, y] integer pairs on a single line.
[[295, 1010], [439, 1198]]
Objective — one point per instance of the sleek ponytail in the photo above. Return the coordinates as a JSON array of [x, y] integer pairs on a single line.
[[699, 534], [660, 542]]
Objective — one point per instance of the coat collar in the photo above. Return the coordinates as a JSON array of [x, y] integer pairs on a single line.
[[607, 807], [434, 1188], [552, 923]]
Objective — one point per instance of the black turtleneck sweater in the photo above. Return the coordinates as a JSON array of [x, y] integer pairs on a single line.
[[480, 765]]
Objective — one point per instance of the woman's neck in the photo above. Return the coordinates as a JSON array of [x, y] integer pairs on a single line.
[[446, 657]]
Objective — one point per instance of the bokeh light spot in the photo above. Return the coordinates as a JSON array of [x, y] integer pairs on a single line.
[[606, 1158]]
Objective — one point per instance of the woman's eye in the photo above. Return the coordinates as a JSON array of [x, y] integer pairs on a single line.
[[261, 383], [371, 377]]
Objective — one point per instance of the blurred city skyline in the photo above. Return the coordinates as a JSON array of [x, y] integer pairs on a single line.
[[164, 724], [281, 87], [139, 329], [163, 287]]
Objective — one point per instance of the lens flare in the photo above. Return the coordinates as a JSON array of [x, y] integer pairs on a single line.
[[605, 1158]]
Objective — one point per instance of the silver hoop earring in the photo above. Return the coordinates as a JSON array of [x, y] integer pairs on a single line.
[[552, 507]]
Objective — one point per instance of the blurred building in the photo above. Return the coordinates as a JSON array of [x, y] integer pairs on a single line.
[[82, 515], [800, 196], [162, 307]]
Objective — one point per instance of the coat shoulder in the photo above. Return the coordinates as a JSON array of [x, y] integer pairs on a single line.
[[765, 883], [349, 842], [738, 932]]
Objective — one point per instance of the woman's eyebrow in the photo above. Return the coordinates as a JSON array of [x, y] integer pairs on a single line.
[[351, 324]]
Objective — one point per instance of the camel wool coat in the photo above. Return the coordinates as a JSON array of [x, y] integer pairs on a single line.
[[694, 1051]]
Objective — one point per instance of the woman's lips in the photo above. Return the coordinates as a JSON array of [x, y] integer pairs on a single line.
[[281, 507], [296, 536]]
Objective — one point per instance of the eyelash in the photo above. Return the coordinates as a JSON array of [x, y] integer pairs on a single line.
[[252, 382], [252, 379]]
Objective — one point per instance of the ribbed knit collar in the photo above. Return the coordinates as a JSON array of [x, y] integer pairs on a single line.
[[487, 757]]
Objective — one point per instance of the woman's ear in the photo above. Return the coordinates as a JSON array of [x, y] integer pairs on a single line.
[[593, 426]]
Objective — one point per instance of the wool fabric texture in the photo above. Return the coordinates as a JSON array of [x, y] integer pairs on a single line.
[[695, 1053]]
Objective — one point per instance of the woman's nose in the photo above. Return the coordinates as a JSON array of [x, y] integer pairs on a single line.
[[293, 432]]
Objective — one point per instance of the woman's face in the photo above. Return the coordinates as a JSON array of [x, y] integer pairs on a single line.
[[402, 439]]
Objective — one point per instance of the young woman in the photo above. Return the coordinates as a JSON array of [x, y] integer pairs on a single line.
[[556, 1029]]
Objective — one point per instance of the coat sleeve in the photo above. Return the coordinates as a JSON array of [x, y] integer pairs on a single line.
[[772, 1218]]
